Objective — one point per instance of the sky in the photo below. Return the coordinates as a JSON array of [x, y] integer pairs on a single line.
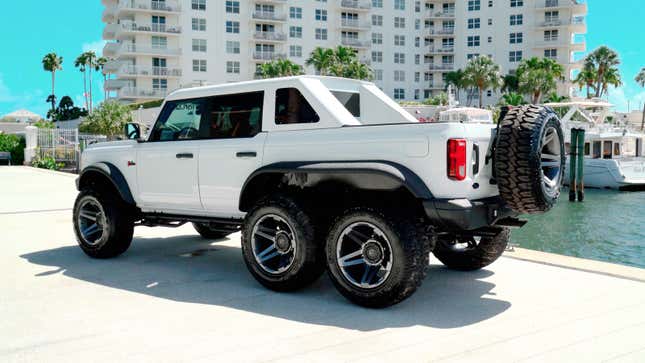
[[33, 28]]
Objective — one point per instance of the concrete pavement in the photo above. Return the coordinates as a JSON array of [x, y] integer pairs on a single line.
[[176, 297]]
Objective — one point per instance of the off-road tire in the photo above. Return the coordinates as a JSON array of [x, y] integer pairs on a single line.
[[518, 158], [411, 241], [308, 264], [206, 232], [117, 234], [487, 251]]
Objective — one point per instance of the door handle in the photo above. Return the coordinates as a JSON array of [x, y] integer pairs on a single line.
[[246, 154], [184, 156]]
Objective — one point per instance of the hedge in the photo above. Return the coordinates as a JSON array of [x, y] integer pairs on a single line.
[[15, 145]]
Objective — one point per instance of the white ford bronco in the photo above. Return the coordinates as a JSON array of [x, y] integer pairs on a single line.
[[323, 173]]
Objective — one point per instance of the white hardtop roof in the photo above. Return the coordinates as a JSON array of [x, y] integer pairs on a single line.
[[581, 104], [333, 83]]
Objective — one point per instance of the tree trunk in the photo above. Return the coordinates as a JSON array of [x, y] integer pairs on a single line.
[[85, 88], [481, 98], [53, 91], [91, 104], [643, 121]]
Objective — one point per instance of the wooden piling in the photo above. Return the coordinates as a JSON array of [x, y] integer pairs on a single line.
[[573, 151], [581, 164]]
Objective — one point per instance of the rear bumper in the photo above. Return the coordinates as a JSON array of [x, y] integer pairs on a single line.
[[464, 214]]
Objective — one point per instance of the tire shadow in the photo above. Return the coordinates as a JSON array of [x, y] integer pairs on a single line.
[[191, 269]]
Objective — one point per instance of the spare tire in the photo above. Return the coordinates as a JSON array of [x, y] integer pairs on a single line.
[[530, 159]]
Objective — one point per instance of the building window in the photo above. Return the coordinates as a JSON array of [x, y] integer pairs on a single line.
[[517, 19], [417, 42], [473, 41], [489, 93], [199, 45], [377, 56], [490, 3], [417, 76], [295, 51], [378, 74], [516, 38], [377, 38], [399, 58], [551, 54], [417, 59], [490, 39], [399, 76], [550, 35], [377, 3], [199, 24], [233, 67], [474, 5], [232, 47], [377, 20], [321, 14], [399, 4], [159, 84], [472, 55], [517, 3], [515, 56], [233, 7], [198, 4], [473, 23], [199, 65], [399, 40], [399, 22], [295, 32], [321, 34], [295, 13], [399, 93], [159, 42], [233, 27]]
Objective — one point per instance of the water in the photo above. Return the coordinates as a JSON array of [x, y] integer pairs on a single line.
[[607, 226]]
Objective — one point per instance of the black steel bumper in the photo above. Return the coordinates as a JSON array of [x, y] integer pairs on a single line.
[[464, 214]]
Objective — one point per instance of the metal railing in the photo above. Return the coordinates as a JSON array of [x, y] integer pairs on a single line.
[[443, 66], [149, 5], [355, 42], [356, 4], [133, 92], [354, 23], [441, 50], [148, 48], [150, 71], [269, 15], [272, 36], [268, 55], [150, 27], [444, 31]]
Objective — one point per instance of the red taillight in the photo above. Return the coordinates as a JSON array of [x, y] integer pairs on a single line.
[[457, 159]]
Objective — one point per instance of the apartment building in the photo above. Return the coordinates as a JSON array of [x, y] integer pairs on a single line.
[[157, 46]]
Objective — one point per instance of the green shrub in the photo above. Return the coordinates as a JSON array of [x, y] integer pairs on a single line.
[[15, 145], [145, 105], [47, 162]]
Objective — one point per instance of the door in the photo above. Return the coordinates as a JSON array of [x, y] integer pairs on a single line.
[[167, 163], [232, 152]]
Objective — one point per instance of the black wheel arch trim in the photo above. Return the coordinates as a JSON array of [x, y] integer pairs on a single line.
[[113, 174], [382, 168]]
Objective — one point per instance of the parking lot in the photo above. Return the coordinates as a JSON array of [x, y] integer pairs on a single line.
[[176, 297]]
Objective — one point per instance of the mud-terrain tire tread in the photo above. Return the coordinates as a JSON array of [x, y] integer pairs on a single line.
[[121, 224], [301, 273], [517, 159], [487, 251], [417, 240], [206, 232]]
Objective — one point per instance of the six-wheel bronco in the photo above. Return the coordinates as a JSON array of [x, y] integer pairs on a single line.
[[323, 173]]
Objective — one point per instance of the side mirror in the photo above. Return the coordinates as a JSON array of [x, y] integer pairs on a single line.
[[132, 131]]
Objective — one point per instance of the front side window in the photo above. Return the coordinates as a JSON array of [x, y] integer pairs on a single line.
[[234, 116], [291, 107], [179, 120]]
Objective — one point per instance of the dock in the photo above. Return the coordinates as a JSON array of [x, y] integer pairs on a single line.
[[176, 297]]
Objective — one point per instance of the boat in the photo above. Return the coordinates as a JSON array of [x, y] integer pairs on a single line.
[[613, 152]]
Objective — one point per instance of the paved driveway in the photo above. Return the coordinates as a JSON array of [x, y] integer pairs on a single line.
[[176, 297]]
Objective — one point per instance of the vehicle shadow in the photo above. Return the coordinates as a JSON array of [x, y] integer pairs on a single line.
[[190, 269]]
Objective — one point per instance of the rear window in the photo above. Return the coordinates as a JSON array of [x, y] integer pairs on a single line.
[[351, 101]]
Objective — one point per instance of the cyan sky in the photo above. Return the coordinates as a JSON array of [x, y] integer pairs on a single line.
[[32, 28]]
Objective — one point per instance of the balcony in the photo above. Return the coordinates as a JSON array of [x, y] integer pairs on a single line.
[[437, 85], [269, 16], [149, 6], [356, 5], [132, 27], [354, 24], [147, 49], [270, 36], [441, 32], [440, 50], [441, 67], [113, 84], [134, 92], [576, 6], [110, 31], [143, 71], [111, 49], [440, 14], [577, 23], [578, 46], [271, 1], [355, 43], [268, 56]]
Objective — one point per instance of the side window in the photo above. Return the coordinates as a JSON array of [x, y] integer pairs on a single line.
[[291, 107], [179, 120], [234, 116]]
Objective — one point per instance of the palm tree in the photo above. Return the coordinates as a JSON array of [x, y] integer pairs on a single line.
[[612, 78], [605, 62], [356, 70], [321, 59], [100, 64], [91, 63], [539, 76], [511, 83], [482, 73], [52, 63], [586, 78], [553, 97], [81, 64], [279, 68], [512, 99], [640, 79], [455, 79]]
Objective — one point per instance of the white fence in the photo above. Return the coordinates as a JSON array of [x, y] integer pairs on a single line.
[[64, 145]]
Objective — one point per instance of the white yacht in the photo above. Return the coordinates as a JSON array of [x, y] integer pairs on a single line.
[[613, 153]]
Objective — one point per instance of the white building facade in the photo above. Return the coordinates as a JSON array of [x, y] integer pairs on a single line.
[[157, 46]]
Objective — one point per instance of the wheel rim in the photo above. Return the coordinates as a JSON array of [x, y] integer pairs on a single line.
[[551, 161], [273, 243], [364, 255], [91, 221]]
